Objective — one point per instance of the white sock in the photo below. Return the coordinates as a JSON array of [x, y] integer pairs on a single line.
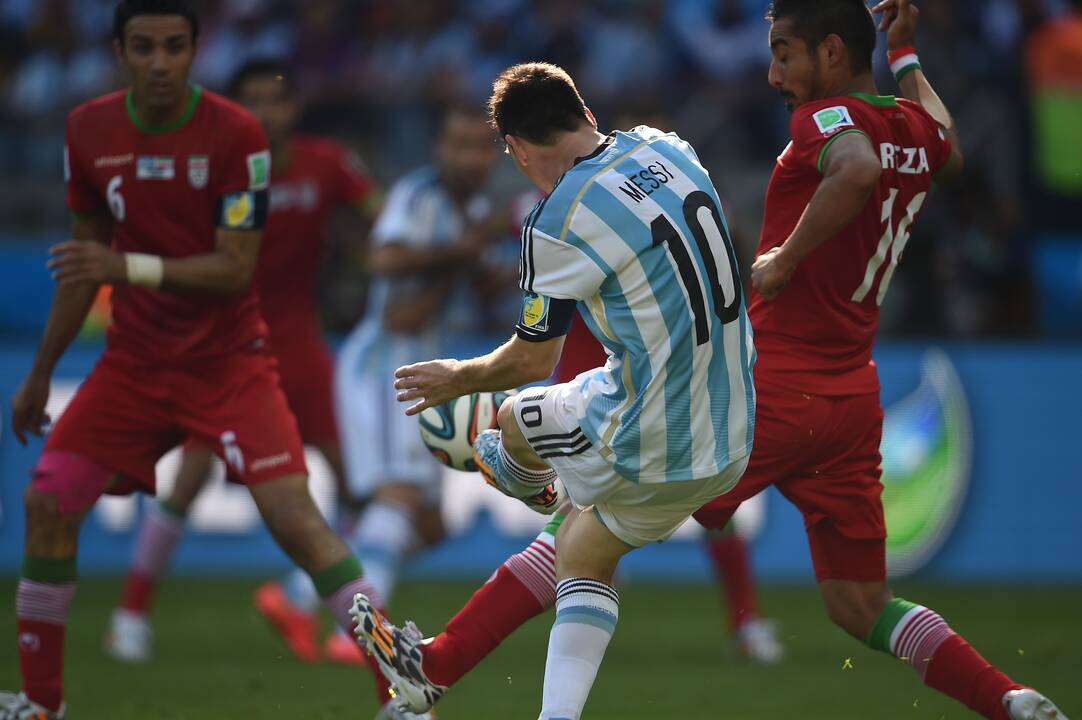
[[384, 536], [586, 613]]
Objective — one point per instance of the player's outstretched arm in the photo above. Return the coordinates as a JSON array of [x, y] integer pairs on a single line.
[[851, 169], [516, 362], [900, 20], [71, 303]]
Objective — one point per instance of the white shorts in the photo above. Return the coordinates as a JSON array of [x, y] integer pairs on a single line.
[[636, 513], [381, 445]]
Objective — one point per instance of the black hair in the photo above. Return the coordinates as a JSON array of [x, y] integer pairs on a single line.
[[814, 20], [127, 9], [535, 101], [260, 68]]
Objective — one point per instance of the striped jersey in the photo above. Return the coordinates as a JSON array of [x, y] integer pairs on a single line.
[[419, 214], [636, 234]]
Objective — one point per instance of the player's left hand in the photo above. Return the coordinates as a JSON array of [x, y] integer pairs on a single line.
[[899, 21], [770, 274], [433, 383], [86, 261]]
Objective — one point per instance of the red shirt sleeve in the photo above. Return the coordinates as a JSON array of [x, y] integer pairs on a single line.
[[814, 128], [82, 198], [245, 161], [353, 184]]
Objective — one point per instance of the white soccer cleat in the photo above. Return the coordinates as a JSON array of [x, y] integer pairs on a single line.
[[1028, 704], [16, 706], [398, 653], [391, 711], [130, 637], [757, 641]]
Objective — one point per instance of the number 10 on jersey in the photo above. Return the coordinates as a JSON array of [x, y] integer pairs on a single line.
[[725, 301]]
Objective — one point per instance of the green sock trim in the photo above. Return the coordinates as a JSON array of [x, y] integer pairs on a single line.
[[169, 508], [330, 580], [49, 570], [879, 637], [554, 524]]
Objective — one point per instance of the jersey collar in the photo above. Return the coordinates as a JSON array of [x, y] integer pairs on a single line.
[[195, 92], [877, 100], [605, 144]]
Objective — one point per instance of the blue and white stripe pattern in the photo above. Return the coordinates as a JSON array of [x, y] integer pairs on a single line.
[[587, 602], [419, 214], [635, 232]]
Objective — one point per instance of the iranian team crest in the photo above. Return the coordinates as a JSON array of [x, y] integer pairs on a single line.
[[198, 171]]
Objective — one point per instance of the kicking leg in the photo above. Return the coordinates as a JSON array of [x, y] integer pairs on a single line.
[[129, 637], [520, 590], [422, 670], [917, 635]]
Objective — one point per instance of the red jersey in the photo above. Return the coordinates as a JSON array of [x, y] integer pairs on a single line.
[[320, 176], [817, 335], [168, 190]]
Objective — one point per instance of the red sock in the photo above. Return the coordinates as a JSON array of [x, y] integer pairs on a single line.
[[138, 592], [159, 533], [729, 554], [41, 609], [956, 669], [523, 588], [41, 660]]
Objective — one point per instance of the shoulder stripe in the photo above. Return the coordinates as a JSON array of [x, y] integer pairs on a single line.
[[586, 186], [529, 271]]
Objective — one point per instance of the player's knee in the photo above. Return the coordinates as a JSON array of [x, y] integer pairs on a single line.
[[512, 436], [505, 416], [40, 506], [854, 607], [64, 483]]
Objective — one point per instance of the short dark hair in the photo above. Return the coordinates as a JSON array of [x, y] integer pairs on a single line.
[[813, 20], [127, 9], [260, 68], [535, 101]]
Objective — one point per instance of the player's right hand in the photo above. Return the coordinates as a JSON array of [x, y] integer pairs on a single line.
[[28, 416], [899, 21]]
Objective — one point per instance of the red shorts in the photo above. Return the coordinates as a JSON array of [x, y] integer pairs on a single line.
[[822, 453], [128, 413], [307, 376]]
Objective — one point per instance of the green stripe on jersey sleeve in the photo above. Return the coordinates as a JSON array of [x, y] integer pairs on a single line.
[[828, 143]]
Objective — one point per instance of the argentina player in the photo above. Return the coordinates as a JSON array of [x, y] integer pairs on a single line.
[[429, 237], [632, 233]]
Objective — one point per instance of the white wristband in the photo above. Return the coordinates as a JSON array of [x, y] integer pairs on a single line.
[[144, 270], [905, 62]]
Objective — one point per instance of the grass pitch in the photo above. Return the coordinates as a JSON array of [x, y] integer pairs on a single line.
[[215, 659]]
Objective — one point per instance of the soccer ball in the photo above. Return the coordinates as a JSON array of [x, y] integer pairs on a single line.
[[448, 430]]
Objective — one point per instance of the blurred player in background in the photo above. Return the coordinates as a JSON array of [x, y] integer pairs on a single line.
[[433, 230], [168, 187], [310, 179], [838, 213]]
